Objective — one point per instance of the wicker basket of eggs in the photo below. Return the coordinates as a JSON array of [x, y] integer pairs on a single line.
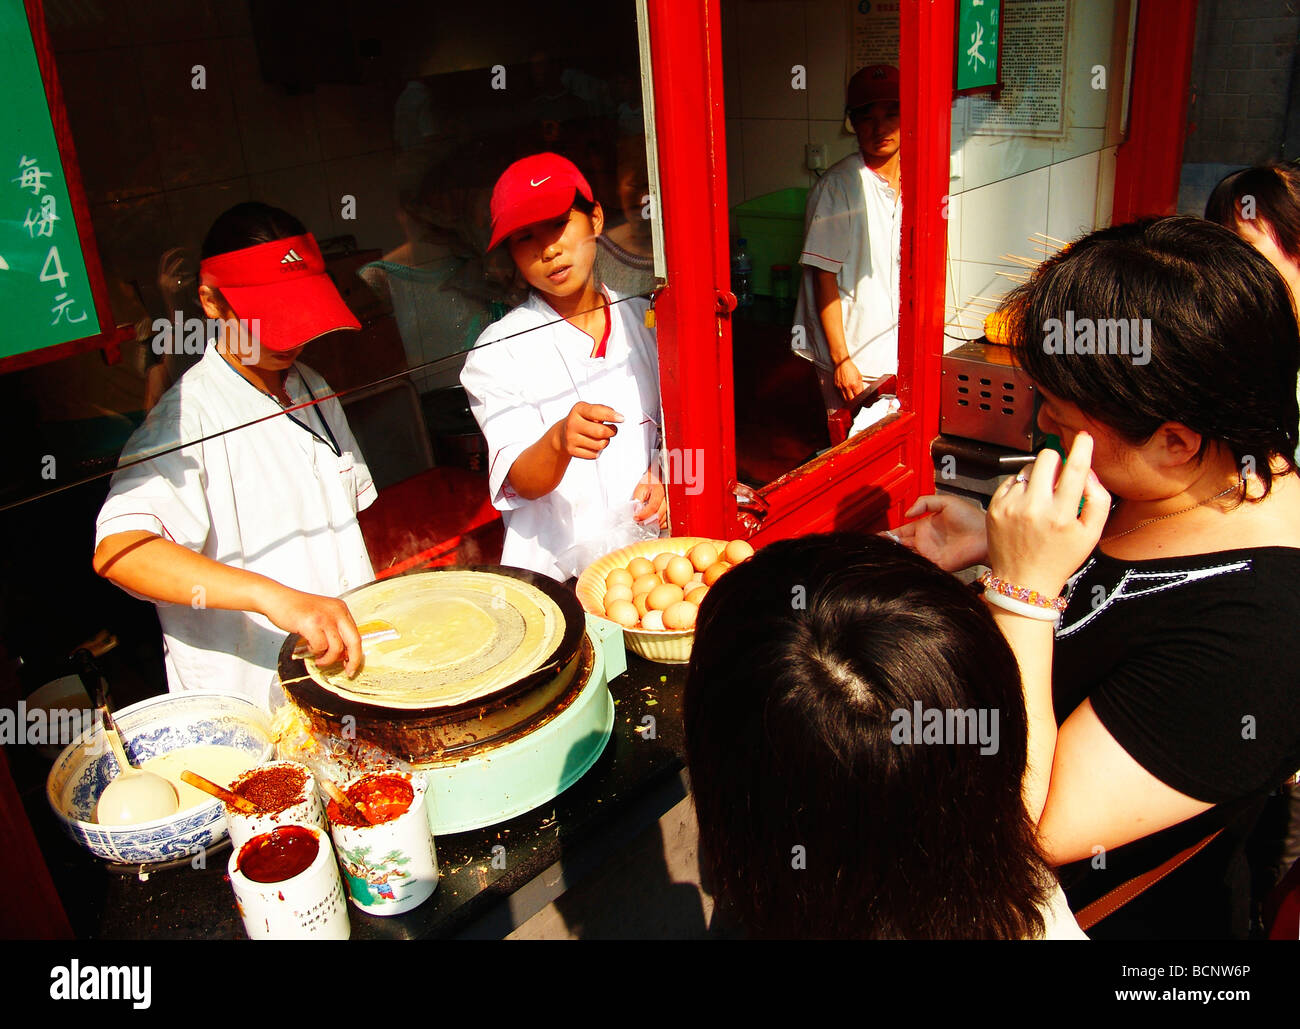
[[653, 589]]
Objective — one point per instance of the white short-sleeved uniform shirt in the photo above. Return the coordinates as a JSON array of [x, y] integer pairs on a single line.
[[520, 386], [853, 228], [273, 498]]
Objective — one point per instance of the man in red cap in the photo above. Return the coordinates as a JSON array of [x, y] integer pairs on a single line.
[[846, 320], [234, 506]]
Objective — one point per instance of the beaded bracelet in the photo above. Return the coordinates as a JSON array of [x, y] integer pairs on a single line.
[[1026, 596]]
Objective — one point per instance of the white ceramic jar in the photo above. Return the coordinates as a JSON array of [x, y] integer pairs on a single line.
[[307, 811], [391, 867], [308, 905]]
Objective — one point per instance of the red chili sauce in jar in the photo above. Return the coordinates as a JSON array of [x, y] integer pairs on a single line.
[[381, 797], [279, 854]]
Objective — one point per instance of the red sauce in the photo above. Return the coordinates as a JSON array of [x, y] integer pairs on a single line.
[[279, 854], [382, 797]]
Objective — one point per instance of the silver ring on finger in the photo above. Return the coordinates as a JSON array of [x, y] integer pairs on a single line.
[[1022, 478]]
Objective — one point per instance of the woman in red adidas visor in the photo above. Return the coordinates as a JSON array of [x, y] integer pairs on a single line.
[[240, 532]]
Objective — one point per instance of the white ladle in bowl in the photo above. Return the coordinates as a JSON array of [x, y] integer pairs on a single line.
[[134, 795]]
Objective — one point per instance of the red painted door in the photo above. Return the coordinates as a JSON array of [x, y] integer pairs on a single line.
[[869, 481]]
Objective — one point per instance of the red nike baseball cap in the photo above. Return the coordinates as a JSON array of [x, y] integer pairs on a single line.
[[534, 189], [280, 288]]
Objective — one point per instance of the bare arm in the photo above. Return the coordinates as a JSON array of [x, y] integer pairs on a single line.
[[151, 566], [1037, 539], [826, 291], [582, 434]]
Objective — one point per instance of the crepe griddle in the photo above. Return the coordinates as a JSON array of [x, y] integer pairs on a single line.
[[306, 692]]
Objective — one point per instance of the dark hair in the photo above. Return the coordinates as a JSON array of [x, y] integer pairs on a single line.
[[1274, 190], [581, 203], [247, 225], [803, 657], [1224, 346]]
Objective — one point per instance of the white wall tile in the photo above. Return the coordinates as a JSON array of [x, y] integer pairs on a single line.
[[772, 41], [826, 23], [774, 155], [1105, 187], [1072, 197], [999, 218]]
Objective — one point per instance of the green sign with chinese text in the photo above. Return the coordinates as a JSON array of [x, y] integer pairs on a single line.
[[977, 44], [45, 296]]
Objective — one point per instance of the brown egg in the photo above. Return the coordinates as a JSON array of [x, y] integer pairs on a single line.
[[618, 592], [702, 555], [640, 602], [645, 583], [680, 616], [679, 571], [653, 620], [661, 561], [696, 596], [737, 551], [619, 577], [714, 572], [639, 566], [622, 612], [663, 597]]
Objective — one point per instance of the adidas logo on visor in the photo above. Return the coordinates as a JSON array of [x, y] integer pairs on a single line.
[[292, 257]]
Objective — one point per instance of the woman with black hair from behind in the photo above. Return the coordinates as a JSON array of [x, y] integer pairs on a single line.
[[856, 738]]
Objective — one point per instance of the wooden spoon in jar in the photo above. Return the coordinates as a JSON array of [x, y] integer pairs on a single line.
[[353, 811], [220, 792]]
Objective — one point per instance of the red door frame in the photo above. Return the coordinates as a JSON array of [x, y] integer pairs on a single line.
[[869, 481], [1148, 164]]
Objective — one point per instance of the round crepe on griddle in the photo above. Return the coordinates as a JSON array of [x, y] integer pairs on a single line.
[[462, 635]]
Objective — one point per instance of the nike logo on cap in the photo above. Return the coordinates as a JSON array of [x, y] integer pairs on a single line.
[[291, 257], [538, 182]]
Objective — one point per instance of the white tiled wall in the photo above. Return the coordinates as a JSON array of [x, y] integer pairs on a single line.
[[1063, 201], [769, 122]]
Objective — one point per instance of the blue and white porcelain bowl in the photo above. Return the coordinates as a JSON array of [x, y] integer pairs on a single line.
[[152, 727]]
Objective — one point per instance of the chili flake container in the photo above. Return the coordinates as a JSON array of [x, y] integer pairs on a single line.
[[391, 866], [286, 793], [287, 886]]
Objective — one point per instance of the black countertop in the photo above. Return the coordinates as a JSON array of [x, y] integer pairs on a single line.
[[636, 779]]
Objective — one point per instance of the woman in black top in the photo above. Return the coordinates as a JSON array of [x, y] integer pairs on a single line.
[[1166, 704]]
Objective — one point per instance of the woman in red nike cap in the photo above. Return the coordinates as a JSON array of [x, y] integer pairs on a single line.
[[566, 386], [238, 517]]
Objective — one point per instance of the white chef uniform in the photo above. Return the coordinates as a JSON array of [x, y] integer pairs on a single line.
[[273, 498], [853, 228], [519, 387]]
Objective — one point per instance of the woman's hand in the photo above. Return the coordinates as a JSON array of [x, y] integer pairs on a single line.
[[324, 623], [584, 433], [1037, 536], [651, 493], [951, 534]]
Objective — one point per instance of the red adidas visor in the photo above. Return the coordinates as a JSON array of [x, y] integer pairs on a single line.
[[281, 289]]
